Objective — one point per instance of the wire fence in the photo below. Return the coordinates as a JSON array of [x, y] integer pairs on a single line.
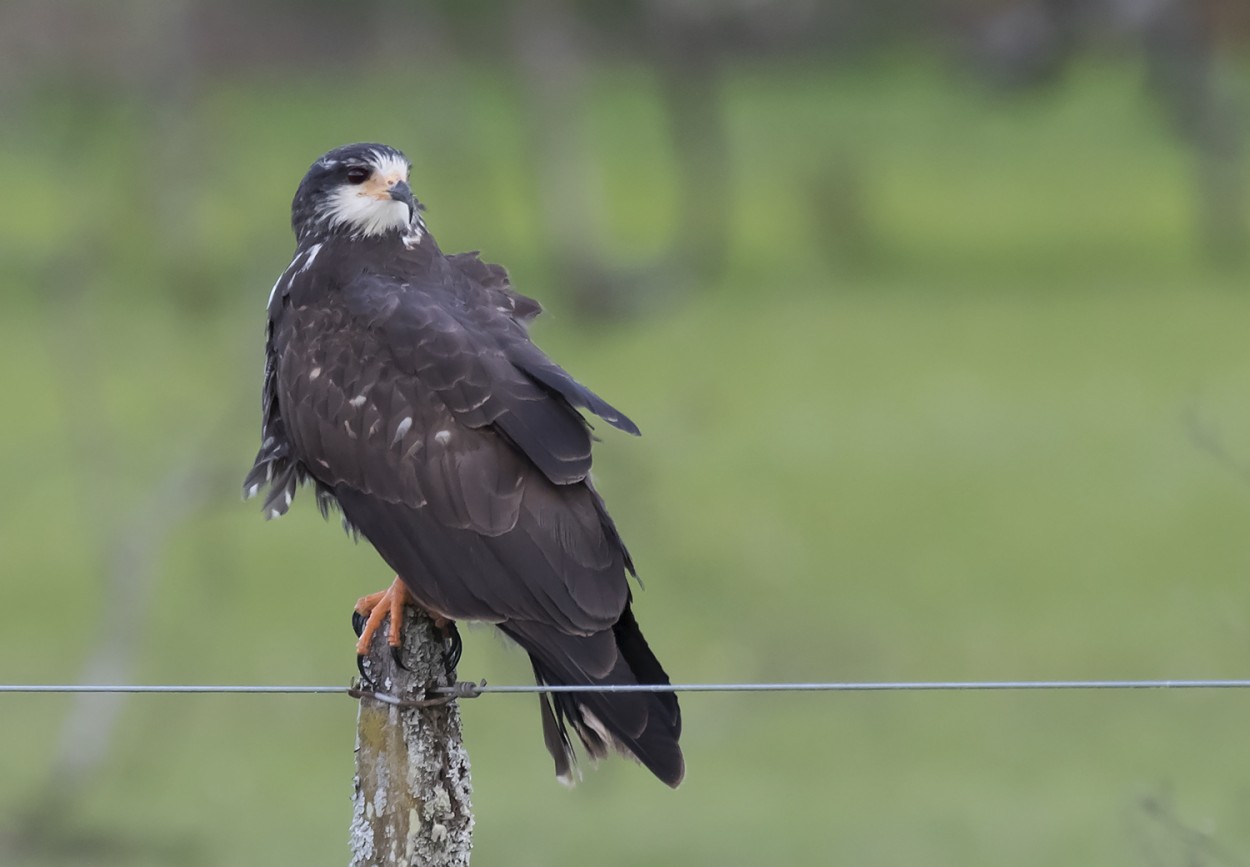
[[471, 689]]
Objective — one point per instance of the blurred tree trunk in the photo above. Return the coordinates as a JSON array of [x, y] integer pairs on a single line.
[[547, 44], [687, 51], [1030, 42], [1183, 74]]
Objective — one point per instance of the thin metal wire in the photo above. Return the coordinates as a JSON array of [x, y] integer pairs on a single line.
[[905, 686], [468, 689], [163, 688]]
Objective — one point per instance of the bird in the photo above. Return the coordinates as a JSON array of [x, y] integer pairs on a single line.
[[402, 385]]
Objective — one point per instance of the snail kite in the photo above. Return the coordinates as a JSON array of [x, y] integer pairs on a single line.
[[401, 382]]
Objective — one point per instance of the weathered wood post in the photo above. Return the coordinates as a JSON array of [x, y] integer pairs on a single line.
[[410, 798]]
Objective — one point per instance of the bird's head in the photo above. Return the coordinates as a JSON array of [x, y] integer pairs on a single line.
[[358, 190]]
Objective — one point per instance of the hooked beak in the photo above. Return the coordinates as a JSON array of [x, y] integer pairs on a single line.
[[401, 192]]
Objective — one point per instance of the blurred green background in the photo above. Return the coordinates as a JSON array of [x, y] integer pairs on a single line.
[[934, 317]]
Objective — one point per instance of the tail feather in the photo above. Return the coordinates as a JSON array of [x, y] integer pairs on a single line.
[[644, 725], [556, 736]]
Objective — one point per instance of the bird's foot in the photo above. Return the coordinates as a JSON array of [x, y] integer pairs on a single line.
[[452, 646], [367, 619], [371, 610]]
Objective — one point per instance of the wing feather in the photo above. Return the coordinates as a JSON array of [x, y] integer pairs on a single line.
[[467, 474], [421, 410]]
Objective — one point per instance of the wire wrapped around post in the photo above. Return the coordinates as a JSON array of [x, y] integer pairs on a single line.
[[411, 795]]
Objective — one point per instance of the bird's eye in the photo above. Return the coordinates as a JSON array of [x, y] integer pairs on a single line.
[[357, 175]]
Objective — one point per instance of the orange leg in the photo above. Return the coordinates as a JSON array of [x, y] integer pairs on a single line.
[[375, 607]]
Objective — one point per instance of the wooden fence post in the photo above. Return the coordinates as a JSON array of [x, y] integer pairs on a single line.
[[410, 798]]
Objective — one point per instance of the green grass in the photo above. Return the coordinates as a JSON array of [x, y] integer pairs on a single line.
[[978, 454]]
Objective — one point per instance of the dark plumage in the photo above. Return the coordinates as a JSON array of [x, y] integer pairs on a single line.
[[402, 383]]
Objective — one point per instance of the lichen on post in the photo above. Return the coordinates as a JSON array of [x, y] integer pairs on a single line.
[[411, 794]]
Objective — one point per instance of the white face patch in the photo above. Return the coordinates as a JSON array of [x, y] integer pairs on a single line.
[[364, 215], [387, 164], [364, 209]]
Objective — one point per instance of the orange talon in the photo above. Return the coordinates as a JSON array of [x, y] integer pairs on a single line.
[[377, 606]]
